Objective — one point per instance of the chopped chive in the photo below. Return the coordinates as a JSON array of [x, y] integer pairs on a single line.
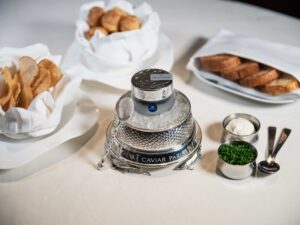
[[237, 153]]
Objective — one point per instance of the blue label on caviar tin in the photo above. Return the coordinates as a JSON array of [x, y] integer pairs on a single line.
[[152, 107]]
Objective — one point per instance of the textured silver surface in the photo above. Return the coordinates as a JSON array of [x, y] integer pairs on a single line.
[[153, 96], [184, 162], [156, 141], [177, 115], [152, 85]]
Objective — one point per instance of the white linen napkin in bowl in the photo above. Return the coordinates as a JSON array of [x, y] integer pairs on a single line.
[[44, 113], [285, 58], [120, 49]]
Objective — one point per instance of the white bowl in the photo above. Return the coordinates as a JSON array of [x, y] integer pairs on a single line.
[[44, 112], [121, 49]]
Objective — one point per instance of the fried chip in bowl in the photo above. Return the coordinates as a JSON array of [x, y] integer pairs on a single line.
[[33, 92], [28, 70]]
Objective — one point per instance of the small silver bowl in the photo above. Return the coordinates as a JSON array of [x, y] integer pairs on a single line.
[[236, 172], [229, 136]]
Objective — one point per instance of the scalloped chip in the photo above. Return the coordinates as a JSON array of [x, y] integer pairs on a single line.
[[3, 85], [6, 93], [45, 81], [55, 73], [28, 70], [16, 90], [26, 97], [38, 79], [19, 90]]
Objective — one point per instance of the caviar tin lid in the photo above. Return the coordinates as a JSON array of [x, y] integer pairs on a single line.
[[152, 85]]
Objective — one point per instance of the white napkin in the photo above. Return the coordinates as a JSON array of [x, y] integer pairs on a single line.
[[121, 49], [44, 113], [282, 57], [119, 78]]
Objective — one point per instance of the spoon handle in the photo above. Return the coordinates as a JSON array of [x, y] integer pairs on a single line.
[[271, 140], [283, 136]]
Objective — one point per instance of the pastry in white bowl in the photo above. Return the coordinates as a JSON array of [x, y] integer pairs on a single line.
[[116, 34], [33, 91]]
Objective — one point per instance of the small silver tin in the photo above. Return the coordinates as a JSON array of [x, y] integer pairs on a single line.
[[229, 136], [152, 85], [236, 172]]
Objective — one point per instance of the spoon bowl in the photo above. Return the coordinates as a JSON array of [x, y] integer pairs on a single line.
[[266, 167]]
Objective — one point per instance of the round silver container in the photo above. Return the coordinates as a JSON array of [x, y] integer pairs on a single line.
[[152, 91], [236, 172], [152, 85], [154, 137], [156, 149], [229, 136]]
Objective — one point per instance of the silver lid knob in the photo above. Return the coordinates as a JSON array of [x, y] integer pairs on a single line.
[[152, 85]]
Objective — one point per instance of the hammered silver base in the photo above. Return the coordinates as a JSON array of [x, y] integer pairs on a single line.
[[192, 152]]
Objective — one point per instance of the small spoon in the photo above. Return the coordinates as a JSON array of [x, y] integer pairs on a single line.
[[124, 108], [269, 166], [271, 140], [271, 136]]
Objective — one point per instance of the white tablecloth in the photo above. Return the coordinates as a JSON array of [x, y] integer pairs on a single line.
[[63, 186]]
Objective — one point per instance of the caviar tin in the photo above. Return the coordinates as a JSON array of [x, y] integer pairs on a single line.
[[161, 131]]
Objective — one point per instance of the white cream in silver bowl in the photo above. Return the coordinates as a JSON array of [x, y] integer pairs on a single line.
[[240, 126]]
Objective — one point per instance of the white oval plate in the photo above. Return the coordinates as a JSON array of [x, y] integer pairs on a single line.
[[245, 92], [77, 119], [118, 78]]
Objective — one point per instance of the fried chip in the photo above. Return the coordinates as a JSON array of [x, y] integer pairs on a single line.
[[55, 73], [4, 100], [13, 69], [16, 89], [5, 107], [26, 97], [19, 90], [38, 79], [45, 81], [12, 102], [28, 70], [7, 75], [3, 86], [6, 93]]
